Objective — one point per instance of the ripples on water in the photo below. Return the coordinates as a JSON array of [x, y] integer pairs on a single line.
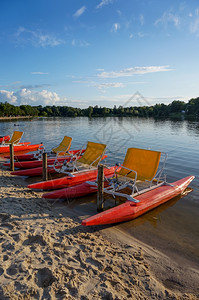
[[177, 221]]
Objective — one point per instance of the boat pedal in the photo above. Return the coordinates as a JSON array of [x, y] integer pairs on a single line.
[[93, 183], [130, 198], [69, 174]]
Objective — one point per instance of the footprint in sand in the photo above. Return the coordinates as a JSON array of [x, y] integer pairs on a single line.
[[5, 257], [4, 217], [44, 278], [1, 271], [12, 270], [35, 239], [95, 263]]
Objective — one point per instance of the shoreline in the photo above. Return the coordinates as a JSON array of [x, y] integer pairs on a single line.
[[46, 253], [15, 118]]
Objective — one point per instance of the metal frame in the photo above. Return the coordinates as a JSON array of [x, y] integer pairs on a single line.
[[117, 185], [71, 168], [41, 150]]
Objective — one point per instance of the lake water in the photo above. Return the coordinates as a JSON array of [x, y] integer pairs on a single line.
[[172, 228]]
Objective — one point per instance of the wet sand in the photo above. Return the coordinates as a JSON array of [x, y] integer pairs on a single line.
[[47, 254]]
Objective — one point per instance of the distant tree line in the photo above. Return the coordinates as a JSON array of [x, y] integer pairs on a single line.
[[176, 109]]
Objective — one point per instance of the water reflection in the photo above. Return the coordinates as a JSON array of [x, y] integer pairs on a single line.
[[192, 127]]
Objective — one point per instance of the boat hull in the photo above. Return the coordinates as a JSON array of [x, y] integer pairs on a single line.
[[20, 147], [38, 171], [131, 210], [33, 172], [68, 181], [36, 163], [80, 190], [72, 192]]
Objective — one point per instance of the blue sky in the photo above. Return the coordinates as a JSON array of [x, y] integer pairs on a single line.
[[103, 52]]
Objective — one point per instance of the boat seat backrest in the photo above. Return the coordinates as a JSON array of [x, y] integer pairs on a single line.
[[144, 162], [93, 154], [16, 137], [64, 146]]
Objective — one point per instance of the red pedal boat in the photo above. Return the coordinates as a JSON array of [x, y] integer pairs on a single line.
[[149, 200], [4, 138], [72, 192], [38, 171], [67, 181], [76, 191], [37, 163], [33, 172], [20, 147], [34, 164]]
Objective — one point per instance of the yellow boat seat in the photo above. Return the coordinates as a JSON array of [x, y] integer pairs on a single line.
[[16, 137], [93, 154], [144, 162], [64, 146]]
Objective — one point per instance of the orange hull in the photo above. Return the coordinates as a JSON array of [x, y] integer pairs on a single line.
[[67, 181], [131, 210], [20, 147]]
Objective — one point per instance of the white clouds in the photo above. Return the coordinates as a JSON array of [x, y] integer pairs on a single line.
[[141, 19], [127, 100], [138, 34], [104, 2], [39, 73], [115, 27], [119, 12], [197, 11], [102, 86], [44, 97], [36, 38], [141, 35], [168, 17], [194, 25], [167, 100], [134, 71], [27, 96], [184, 18], [100, 70], [20, 30], [44, 40], [7, 96], [79, 43], [79, 12]]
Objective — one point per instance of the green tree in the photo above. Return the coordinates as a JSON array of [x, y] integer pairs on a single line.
[[192, 108], [177, 106]]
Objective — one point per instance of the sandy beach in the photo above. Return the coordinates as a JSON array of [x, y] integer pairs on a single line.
[[15, 118], [47, 254]]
